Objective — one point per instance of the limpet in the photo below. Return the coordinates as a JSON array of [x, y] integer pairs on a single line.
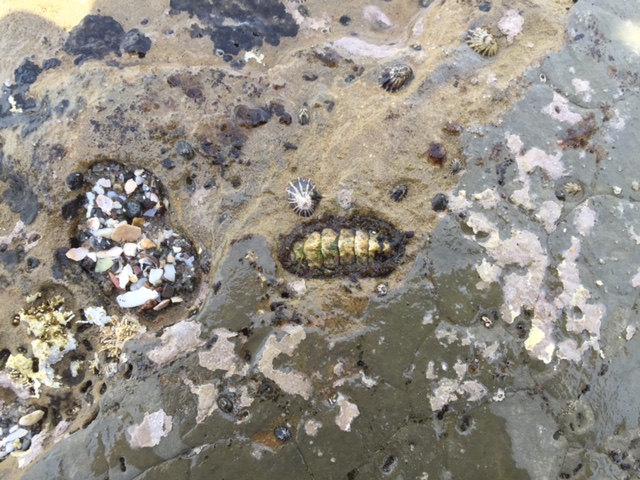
[[481, 41], [395, 76], [399, 192], [303, 197]]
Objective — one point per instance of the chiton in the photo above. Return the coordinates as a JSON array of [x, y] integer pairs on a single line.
[[332, 246]]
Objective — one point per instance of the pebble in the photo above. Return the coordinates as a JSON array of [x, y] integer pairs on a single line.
[[31, 418], [162, 305], [147, 244], [126, 233], [185, 150], [132, 209]]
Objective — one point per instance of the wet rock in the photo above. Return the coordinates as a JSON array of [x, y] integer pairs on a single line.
[[74, 181], [27, 72], [251, 117], [134, 42], [94, 38], [50, 63], [185, 150], [20, 198]]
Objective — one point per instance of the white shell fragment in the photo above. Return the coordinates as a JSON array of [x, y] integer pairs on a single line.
[[77, 254], [93, 223], [170, 273], [130, 249], [104, 203], [113, 252], [130, 186], [155, 274], [136, 298]]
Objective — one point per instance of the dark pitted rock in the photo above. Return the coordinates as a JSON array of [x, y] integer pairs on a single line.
[[20, 198], [71, 208], [132, 209], [168, 163], [75, 181], [134, 42], [241, 24], [439, 202], [50, 63], [283, 115], [27, 73], [251, 117], [185, 150], [95, 37]]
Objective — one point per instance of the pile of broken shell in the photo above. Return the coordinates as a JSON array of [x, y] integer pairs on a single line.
[[124, 238]]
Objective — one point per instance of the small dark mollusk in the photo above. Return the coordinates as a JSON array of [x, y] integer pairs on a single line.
[[481, 41], [332, 246], [282, 433], [395, 76], [303, 197], [399, 192]]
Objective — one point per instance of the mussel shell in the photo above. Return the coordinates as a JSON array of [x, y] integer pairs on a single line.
[[336, 246]]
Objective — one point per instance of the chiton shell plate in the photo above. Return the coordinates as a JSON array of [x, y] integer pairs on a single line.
[[334, 246]]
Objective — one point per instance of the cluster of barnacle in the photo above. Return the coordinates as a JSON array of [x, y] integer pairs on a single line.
[[114, 335], [124, 238], [47, 322]]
